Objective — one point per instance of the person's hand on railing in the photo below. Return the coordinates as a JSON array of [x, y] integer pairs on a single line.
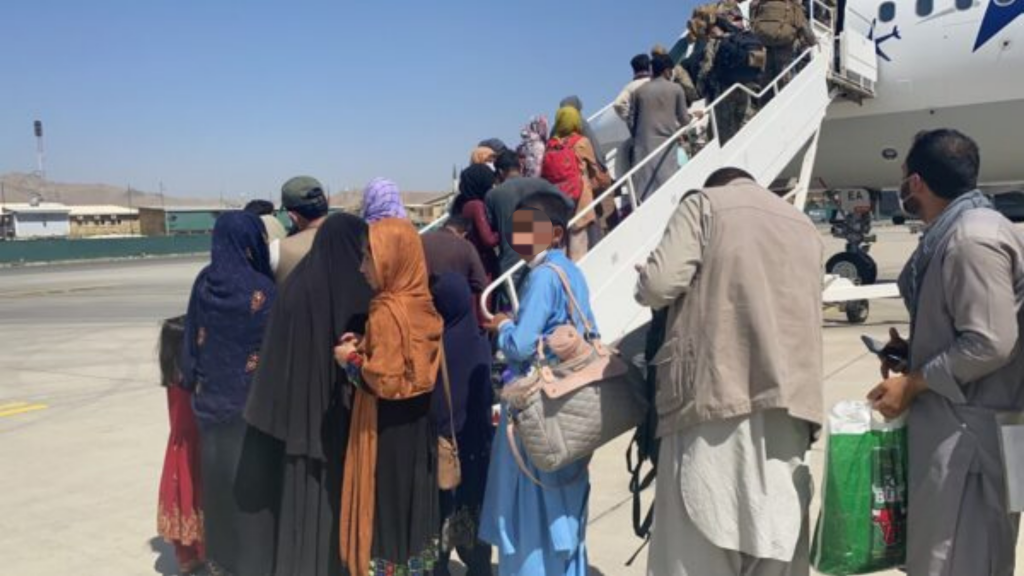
[[495, 323]]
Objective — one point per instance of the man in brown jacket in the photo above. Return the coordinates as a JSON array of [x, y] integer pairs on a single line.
[[304, 199], [739, 396]]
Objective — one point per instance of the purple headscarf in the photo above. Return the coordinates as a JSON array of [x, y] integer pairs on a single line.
[[531, 150], [381, 199]]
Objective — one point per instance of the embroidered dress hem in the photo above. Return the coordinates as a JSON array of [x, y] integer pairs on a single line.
[[421, 564], [177, 528]]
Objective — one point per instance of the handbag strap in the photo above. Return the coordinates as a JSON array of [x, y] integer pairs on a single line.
[[448, 396], [573, 305], [521, 462], [573, 309]]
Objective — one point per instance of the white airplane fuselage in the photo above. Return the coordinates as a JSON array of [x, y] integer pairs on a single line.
[[942, 63]]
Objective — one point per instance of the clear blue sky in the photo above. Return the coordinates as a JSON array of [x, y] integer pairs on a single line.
[[233, 97]]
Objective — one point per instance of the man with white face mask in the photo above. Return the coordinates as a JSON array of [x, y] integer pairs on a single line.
[[964, 289]]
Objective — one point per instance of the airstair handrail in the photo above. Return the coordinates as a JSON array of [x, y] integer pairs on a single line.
[[438, 222], [593, 117], [773, 87], [610, 157]]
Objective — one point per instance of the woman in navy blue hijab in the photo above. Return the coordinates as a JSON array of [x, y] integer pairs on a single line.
[[227, 313], [468, 354]]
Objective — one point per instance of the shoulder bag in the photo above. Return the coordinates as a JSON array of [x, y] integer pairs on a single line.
[[449, 469], [563, 411]]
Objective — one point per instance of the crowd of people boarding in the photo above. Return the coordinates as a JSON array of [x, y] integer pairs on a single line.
[[331, 387], [319, 383]]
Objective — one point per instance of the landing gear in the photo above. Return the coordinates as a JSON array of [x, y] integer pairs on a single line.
[[857, 311], [859, 268], [853, 224], [856, 266]]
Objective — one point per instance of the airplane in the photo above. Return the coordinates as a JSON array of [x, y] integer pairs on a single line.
[[927, 64], [941, 64]]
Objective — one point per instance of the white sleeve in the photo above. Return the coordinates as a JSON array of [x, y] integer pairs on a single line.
[[275, 254]]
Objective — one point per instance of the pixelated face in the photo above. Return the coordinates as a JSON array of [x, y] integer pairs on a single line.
[[532, 233]]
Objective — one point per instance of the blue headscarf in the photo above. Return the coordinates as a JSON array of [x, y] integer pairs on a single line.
[[227, 313]]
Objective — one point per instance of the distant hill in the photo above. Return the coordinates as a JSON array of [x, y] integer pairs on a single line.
[[352, 200], [22, 187]]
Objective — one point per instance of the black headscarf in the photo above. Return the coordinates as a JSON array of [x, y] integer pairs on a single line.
[[494, 144], [474, 184], [298, 380]]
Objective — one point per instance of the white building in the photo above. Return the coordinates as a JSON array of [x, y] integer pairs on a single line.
[[35, 220], [88, 221]]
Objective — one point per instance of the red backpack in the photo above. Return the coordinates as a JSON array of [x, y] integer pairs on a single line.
[[561, 166]]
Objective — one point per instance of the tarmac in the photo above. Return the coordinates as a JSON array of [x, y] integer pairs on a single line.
[[83, 419]]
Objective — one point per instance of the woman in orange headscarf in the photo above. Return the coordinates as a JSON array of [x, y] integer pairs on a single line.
[[389, 502]]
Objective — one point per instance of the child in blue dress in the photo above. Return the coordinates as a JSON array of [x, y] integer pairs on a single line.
[[538, 530]]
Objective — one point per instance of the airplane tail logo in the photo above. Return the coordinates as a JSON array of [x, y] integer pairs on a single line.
[[998, 15]]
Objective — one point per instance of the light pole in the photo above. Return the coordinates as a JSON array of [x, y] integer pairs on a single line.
[[37, 127]]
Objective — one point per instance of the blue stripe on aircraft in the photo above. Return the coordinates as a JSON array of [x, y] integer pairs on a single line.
[[998, 15]]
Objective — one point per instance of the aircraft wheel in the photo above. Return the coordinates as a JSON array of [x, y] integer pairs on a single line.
[[856, 267], [857, 311]]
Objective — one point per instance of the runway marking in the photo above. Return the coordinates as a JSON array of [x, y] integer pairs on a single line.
[[16, 408], [56, 291]]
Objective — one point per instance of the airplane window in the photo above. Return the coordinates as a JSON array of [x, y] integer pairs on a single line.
[[887, 12], [964, 4], [925, 7]]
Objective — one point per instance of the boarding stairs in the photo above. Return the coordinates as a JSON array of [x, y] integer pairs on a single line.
[[785, 130]]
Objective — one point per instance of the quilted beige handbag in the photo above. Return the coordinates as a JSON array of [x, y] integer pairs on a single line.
[[564, 410]]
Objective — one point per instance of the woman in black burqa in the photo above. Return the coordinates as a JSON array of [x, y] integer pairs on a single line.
[[303, 398]]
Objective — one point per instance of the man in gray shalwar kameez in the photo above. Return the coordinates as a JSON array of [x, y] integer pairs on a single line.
[[964, 288], [658, 111]]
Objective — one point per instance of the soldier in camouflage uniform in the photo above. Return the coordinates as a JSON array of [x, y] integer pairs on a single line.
[[733, 111], [780, 55]]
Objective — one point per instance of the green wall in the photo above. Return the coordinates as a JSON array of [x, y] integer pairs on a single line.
[[63, 249], [193, 229], [191, 222]]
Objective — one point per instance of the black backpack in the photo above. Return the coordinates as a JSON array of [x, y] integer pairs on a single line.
[[741, 58]]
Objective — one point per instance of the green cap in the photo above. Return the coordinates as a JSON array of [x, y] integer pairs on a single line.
[[302, 191]]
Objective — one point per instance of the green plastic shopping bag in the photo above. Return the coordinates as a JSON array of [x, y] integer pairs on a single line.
[[862, 526]]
